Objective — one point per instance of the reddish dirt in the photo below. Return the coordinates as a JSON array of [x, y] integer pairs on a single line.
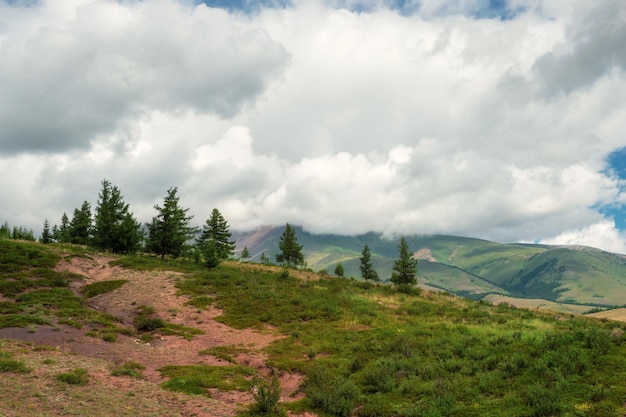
[[157, 289]]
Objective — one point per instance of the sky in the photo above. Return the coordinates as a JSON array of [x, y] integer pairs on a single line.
[[499, 119]]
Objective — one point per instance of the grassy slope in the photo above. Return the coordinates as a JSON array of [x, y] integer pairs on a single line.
[[475, 267], [395, 354], [385, 353]]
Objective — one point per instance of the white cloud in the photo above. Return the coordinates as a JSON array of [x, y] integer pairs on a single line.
[[75, 72], [340, 121], [603, 235]]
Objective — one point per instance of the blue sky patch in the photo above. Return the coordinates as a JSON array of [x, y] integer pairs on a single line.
[[616, 165], [488, 9]]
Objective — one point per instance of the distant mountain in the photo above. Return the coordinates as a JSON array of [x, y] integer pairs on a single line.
[[469, 267]]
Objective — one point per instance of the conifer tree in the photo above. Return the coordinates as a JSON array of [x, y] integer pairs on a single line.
[[169, 231], [367, 270], [405, 267], [245, 254], [63, 235], [81, 225], [216, 231], [115, 228], [5, 230], [46, 236], [339, 271], [291, 252]]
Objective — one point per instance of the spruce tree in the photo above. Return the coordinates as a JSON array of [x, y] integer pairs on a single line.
[[405, 267], [245, 254], [81, 225], [339, 271], [169, 231], [5, 231], [367, 270], [291, 252], [114, 228], [46, 236], [216, 231], [64, 230]]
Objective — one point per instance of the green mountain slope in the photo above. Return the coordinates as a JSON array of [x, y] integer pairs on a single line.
[[469, 267]]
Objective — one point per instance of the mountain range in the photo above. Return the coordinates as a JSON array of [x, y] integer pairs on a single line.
[[558, 277]]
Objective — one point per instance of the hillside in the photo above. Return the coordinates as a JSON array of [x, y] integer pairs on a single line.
[[82, 333], [470, 267]]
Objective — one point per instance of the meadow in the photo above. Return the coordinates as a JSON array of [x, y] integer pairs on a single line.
[[363, 349]]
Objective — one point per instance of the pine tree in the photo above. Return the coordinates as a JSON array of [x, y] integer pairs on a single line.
[[5, 231], [291, 252], [55, 233], [339, 271], [216, 231], [81, 225], [46, 236], [405, 267], [64, 231], [169, 231], [114, 228], [245, 254], [367, 270]]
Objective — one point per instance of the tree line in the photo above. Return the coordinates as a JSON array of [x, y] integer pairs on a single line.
[[112, 227]]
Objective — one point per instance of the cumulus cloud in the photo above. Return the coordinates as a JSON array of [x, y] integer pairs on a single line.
[[87, 68], [603, 234], [340, 116]]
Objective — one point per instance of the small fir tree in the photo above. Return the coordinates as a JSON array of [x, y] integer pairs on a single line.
[[216, 231], [245, 254], [115, 229], [291, 252], [339, 271], [367, 270], [64, 230], [80, 227], [405, 267], [46, 235], [169, 231]]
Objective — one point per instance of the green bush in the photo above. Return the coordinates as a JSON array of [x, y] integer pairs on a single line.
[[330, 392], [102, 287], [148, 324], [12, 365], [266, 394], [78, 376], [130, 368]]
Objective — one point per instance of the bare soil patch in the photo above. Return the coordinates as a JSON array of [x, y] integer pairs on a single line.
[[155, 289]]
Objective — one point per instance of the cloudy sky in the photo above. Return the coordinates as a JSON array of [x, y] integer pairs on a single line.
[[499, 119]]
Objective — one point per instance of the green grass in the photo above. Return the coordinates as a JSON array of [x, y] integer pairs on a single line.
[[77, 376], [227, 353], [39, 294], [397, 354], [8, 364], [131, 369], [196, 379], [370, 348]]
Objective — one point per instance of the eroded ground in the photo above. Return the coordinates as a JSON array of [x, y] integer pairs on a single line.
[[68, 347]]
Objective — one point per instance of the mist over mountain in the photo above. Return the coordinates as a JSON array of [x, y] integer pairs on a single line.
[[468, 267]]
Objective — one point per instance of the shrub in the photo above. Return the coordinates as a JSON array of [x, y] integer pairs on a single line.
[[102, 287], [148, 324], [543, 402], [266, 394], [78, 376], [130, 368], [330, 392], [12, 365]]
